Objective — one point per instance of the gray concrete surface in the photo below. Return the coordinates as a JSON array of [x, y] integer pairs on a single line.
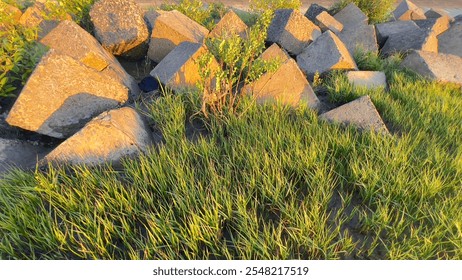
[[454, 7]]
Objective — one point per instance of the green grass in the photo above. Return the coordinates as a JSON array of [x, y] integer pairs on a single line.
[[267, 182]]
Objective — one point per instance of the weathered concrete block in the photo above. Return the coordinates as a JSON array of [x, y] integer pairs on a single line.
[[361, 37], [108, 138], [450, 42], [434, 66], [405, 42], [179, 69], [360, 113], [39, 15], [61, 95], [70, 39], [313, 11], [351, 16], [120, 27], [328, 22], [150, 16], [171, 29], [11, 10], [435, 25], [286, 85], [368, 79], [326, 53], [230, 24], [292, 31], [387, 29], [437, 13], [19, 154], [407, 10]]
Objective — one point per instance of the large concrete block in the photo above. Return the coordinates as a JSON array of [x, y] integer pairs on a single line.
[[360, 113], [11, 10], [450, 42], [286, 85], [361, 37], [171, 29], [292, 31], [387, 29], [19, 154], [367, 79], [313, 11], [407, 10], [180, 69], [40, 16], [437, 13], [404, 42], [351, 16], [62, 94], [230, 24], [120, 27], [325, 54], [108, 138], [70, 39], [434, 66], [435, 25], [327, 22]]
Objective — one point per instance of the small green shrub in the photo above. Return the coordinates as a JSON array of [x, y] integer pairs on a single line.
[[196, 10], [239, 63], [263, 5], [377, 10]]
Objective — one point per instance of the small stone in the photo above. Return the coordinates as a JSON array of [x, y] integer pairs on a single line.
[[108, 138], [180, 69], [328, 22], [367, 79], [360, 113], [407, 10], [450, 42], [351, 16], [170, 30], [120, 27], [292, 31], [313, 11], [325, 54], [61, 95], [230, 24], [434, 66], [149, 84]]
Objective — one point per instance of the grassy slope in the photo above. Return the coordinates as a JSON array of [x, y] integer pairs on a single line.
[[270, 183]]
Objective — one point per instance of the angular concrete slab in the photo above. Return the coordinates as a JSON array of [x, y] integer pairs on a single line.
[[351, 16], [435, 25], [287, 85], [407, 10], [275, 52], [327, 22], [437, 13], [387, 29], [313, 11], [325, 54], [19, 154], [108, 138], [404, 42], [120, 27], [179, 69], [229, 24], [292, 31], [81, 46], [367, 79], [361, 37], [360, 113], [170, 30], [150, 16], [434, 66], [61, 95], [450, 42]]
